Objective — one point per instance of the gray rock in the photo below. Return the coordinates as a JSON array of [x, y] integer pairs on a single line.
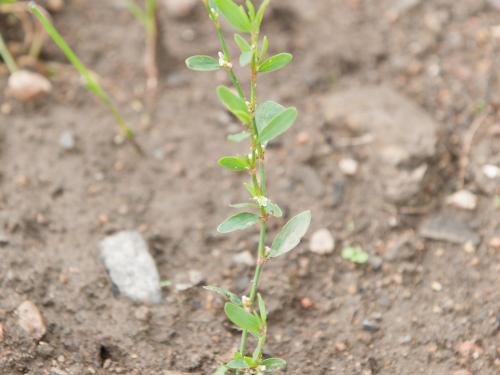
[[67, 140], [402, 250], [30, 320], [131, 267], [322, 242], [4, 240], [463, 199], [370, 326], [449, 229], [404, 137]]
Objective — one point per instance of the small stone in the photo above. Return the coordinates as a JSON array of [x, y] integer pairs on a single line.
[[30, 320], [463, 199], [449, 229], [406, 339], [491, 171], [55, 6], [130, 266], [245, 258], [26, 86], [375, 262], [468, 349], [4, 240], [306, 303], [67, 140], [180, 9], [322, 242], [370, 326], [340, 346], [196, 277], [494, 243], [464, 372], [402, 250], [303, 138], [365, 338], [348, 166], [436, 286], [56, 371], [44, 350]]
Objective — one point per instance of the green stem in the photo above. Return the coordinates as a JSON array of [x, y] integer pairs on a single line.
[[7, 57]]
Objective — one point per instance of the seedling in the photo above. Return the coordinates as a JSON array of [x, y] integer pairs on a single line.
[[7, 57], [261, 124], [89, 77], [354, 254], [147, 17]]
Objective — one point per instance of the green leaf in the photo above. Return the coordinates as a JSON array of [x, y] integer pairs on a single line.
[[233, 163], [275, 62], [225, 293], [265, 113], [278, 125], [291, 234], [239, 221], [263, 48], [242, 43], [251, 189], [237, 364], [238, 137], [243, 116], [354, 254], [232, 101], [222, 370], [246, 58], [234, 14], [242, 318], [202, 63], [262, 308], [260, 13], [273, 209], [251, 9], [274, 364], [244, 205]]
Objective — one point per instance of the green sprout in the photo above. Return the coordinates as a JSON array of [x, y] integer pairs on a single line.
[[7, 57], [89, 77], [354, 254], [261, 124], [147, 17]]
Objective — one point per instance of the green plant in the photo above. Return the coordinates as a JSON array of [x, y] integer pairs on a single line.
[[91, 82], [147, 17], [7, 57], [261, 124], [354, 254]]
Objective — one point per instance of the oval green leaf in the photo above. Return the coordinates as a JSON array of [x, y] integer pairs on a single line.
[[232, 101], [242, 43], [222, 370], [242, 318], [265, 113], [202, 63], [233, 163], [274, 364], [291, 234], [278, 125], [225, 293], [239, 221], [234, 14], [238, 137], [237, 364], [275, 62]]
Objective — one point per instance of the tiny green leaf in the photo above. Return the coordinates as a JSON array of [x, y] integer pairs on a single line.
[[234, 14], [242, 318], [260, 13], [251, 189], [222, 370], [265, 113], [274, 364], [263, 49], [225, 293], [262, 308], [233, 163], [291, 234], [237, 364], [245, 58], [278, 125], [232, 101], [238, 137], [273, 209], [243, 116], [239, 221], [354, 254], [242, 43], [275, 62], [202, 63]]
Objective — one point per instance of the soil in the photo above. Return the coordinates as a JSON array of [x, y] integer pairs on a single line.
[[435, 310]]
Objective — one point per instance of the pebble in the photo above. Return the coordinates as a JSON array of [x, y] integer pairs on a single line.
[[464, 372], [55, 5], [30, 320], [67, 140], [322, 242], [303, 138], [56, 371], [375, 262], [370, 326], [450, 229], [436, 286], [4, 240], [245, 258], [306, 303], [180, 9], [26, 86], [348, 166], [463, 199], [131, 267], [495, 243], [44, 350], [491, 171], [195, 278]]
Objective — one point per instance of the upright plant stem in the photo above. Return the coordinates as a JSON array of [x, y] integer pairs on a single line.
[[6, 56]]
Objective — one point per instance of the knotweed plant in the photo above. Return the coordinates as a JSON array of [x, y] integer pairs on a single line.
[[261, 124], [89, 77], [146, 15]]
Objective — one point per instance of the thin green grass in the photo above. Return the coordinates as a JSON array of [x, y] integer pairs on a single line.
[[7, 57]]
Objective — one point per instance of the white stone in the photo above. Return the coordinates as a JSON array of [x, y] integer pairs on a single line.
[[245, 257], [348, 166], [180, 8], [30, 320], [26, 86], [322, 242], [491, 171], [67, 140], [463, 199], [131, 267]]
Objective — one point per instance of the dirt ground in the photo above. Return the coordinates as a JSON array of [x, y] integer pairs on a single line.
[[425, 307]]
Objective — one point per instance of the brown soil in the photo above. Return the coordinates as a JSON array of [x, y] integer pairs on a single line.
[[55, 206]]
